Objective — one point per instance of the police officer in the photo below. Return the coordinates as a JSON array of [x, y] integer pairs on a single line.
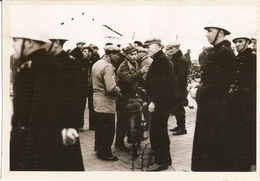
[[242, 106], [211, 145], [71, 150], [36, 138]]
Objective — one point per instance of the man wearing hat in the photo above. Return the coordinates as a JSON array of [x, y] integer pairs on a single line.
[[72, 152], [243, 104], [213, 137], [159, 88], [128, 76], [180, 76], [105, 93], [95, 53], [36, 138], [77, 52]]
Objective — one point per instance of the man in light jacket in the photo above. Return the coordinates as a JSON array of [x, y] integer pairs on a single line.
[[105, 93]]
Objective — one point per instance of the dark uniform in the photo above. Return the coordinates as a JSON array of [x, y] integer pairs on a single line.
[[36, 141], [86, 90], [211, 146], [76, 53], [72, 153], [180, 69], [159, 87], [242, 110]]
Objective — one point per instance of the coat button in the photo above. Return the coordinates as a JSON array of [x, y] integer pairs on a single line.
[[238, 72]]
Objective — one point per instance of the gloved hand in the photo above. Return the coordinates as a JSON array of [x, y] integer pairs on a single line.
[[145, 69], [69, 136], [151, 107]]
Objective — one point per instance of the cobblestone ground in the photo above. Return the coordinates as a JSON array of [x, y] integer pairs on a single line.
[[180, 148]]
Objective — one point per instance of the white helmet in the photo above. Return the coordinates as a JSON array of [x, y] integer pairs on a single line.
[[219, 24], [58, 34], [242, 35], [33, 33]]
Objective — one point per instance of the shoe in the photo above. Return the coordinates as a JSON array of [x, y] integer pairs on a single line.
[[111, 158], [156, 167], [180, 132], [122, 148], [174, 129]]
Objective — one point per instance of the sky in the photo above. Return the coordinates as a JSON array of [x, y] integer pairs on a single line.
[[169, 23]]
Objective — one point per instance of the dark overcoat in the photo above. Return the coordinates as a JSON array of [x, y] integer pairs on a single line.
[[242, 110], [211, 146], [159, 81], [36, 106], [72, 154], [180, 75]]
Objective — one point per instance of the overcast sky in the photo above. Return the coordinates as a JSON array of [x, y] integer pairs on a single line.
[[138, 22]]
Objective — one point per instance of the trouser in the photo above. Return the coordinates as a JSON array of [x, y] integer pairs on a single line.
[[104, 134], [180, 116], [159, 138], [122, 126], [92, 112], [81, 109]]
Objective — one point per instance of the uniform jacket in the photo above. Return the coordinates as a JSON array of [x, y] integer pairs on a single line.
[[76, 53], [105, 90], [36, 106], [180, 75], [159, 81], [211, 146], [72, 160]]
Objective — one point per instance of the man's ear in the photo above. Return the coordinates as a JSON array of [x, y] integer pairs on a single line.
[[28, 43]]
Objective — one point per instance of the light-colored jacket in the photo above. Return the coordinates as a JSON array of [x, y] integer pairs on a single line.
[[105, 90]]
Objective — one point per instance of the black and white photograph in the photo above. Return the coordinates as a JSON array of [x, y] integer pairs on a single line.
[[96, 90]]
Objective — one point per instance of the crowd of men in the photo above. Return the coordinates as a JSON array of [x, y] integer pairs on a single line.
[[51, 87]]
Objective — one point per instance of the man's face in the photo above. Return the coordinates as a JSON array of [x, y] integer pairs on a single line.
[[17, 44], [241, 44], [86, 53], [132, 56], [80, 46], [140, 55], [153, 49], [211, 34]]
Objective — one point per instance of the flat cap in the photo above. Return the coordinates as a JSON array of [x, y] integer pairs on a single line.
[[130, 48], [152, 41], [94, 47], [141, 49], [173, 44], [80, 42], [111, 48]]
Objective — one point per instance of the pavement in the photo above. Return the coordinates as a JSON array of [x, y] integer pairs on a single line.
[[180, 148]]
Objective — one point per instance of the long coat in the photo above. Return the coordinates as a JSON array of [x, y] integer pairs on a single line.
[[242, 110], [180, 75], [211, 146], [36, 106], [70, 93]]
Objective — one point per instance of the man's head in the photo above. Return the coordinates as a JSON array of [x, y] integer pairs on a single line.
[[94, 48], [26, 41], [130, 52], [216, 31], [112, 52], [87, 52], [141, 52], [172, 48], [242, 42], [138, 43], [80, 44], [57, 40], [153, 45]]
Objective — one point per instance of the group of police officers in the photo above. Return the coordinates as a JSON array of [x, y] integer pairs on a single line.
[[46, 120]]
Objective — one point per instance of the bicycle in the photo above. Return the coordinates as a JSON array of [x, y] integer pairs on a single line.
[[194, 74]]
